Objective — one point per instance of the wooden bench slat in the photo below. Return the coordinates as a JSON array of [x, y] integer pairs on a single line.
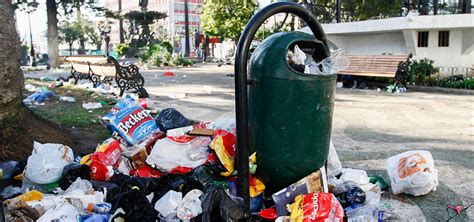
[[83, 68], [85, 59], [373, 65], [104, 70]]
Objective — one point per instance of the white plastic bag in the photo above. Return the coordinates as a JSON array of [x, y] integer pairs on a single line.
[[358, 176], [334, 164], [79, 187], [63, 212], [412, 172], [190, 206], [47, 161], [184, 151]]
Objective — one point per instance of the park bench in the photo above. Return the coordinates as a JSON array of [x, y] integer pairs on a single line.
[[389, 66], [101, 69]]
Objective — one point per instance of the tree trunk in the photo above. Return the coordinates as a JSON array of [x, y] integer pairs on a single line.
[[53, 40], [19, 127], [70, 48], [11, 77]]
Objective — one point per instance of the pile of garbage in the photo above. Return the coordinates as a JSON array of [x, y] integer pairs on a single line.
[[168, 168]]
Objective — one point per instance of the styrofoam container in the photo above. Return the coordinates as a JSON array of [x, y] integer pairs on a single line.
[[169, 202]]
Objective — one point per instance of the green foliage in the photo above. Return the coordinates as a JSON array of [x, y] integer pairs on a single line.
[[69, 33], [181, 61], [161, 54], [79, 30], [226, 18], [122, 49], [322, 9], [155, 54], [421, 70], [167, 45], [263, 33], [449, 82], [94, 37], [358, 10]]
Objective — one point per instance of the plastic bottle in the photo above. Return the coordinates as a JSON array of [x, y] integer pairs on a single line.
[[100, 208], [67, 99], [168, 203], [8, 169]]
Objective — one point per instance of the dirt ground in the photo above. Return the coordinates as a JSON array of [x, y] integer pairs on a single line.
[[368, 128]]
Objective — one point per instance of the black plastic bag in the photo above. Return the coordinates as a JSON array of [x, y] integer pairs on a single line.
[[136, 206], [112, 190], [171, 118], [73, 171], [217, 205]]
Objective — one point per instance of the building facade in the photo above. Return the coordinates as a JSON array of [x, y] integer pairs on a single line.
[[172, 27], [446, 39]]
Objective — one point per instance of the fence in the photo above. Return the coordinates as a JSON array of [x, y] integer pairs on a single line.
[[455, 71]]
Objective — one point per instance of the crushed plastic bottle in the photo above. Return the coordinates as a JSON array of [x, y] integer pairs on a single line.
[[67, 99], [91, 105]]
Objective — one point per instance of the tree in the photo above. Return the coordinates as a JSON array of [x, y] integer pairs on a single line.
[[358, 10], [53, 36], [94, 37], [324, 10], [226, 18], [52, 12], [70, 32], [80, 30], [10, 72], [18, 126]]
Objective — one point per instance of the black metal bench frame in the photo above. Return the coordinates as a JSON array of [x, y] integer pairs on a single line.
[[126, 77]]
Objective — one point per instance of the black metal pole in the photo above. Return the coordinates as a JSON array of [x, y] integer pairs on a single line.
[[338, 11], [242, 55], [186, 29]]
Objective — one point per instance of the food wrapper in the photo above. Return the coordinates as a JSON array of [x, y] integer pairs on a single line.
[[316, 207], [224, 146], [130, 120]]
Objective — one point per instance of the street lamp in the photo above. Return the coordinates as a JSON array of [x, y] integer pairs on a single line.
[[105, 29], [29, 6]]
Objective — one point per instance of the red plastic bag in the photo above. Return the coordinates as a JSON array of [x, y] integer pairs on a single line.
[[103, 162], [146, 171]]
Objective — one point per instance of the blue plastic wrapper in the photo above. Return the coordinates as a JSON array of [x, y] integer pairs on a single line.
[[95, 218], [130, 120], [37, 97]]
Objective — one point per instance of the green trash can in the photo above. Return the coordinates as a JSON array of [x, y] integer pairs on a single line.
[[290, 112]]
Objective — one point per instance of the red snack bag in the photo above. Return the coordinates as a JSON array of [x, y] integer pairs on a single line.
[[224, 146], [100, 171], [146, 171], [316, 207]]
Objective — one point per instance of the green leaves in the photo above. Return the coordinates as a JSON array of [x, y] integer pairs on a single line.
[[226, 18], [420, 70], [78, 30]]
